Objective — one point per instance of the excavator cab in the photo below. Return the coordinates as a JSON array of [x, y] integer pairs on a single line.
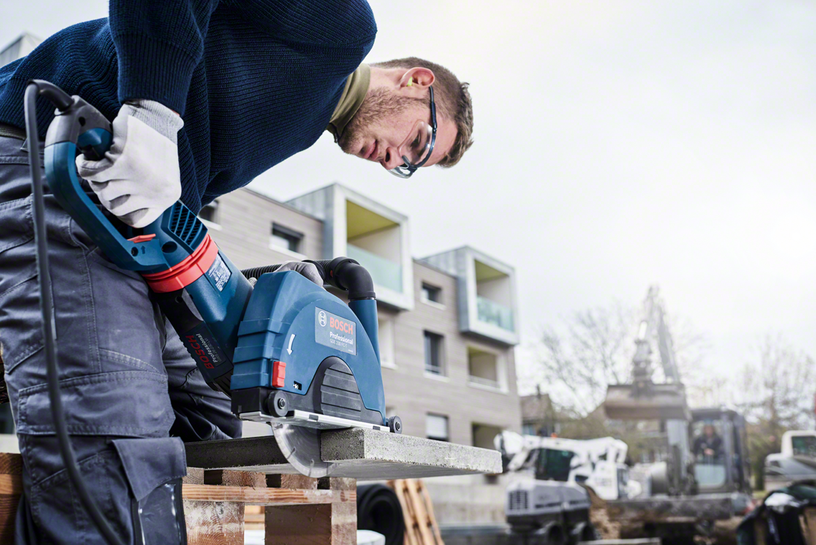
[[719, 445]]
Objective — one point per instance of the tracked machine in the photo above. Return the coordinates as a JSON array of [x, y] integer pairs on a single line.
[[683, 495]]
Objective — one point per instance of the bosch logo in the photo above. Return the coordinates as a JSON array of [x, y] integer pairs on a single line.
[[321, 318], [196, 351], [341, 325]]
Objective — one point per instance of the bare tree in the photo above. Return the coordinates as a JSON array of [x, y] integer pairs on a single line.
[[779, 388], [775, 393], [576, 360]]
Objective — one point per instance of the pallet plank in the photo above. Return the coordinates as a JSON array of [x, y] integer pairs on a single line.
[[265, 496]]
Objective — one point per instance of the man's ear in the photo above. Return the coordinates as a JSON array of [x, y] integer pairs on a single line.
[[415, 81]]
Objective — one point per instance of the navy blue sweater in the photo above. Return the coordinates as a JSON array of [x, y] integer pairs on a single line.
[[256, 81]]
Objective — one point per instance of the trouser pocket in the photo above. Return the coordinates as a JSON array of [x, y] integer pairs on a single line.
[[136, 483], [154, 468]]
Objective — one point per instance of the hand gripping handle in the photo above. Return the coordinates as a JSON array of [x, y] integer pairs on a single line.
[[79, 126]]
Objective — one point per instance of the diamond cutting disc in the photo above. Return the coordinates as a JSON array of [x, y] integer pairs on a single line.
[[301, 447]]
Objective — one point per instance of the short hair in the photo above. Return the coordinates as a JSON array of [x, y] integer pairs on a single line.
[[453, 100]]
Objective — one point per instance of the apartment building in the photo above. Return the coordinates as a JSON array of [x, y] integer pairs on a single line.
[[447, 322]]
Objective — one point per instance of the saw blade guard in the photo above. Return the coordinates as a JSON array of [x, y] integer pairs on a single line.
[[305, 349]]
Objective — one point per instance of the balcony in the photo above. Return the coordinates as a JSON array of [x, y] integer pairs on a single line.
[[486, 293], [491, 312], [365, 230], [383, 271]]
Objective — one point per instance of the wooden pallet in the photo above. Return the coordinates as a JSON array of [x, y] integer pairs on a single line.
[[417, 511]]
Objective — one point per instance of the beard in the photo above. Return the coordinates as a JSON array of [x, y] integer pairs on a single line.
[[378, 105]]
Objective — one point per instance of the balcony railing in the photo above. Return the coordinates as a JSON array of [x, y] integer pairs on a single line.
[[486, 382], [383, 271], [493, 313]]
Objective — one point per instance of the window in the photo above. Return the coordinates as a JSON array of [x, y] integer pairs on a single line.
[[285, 238], [436, 427], [529, 429], [433, 353], [431, 293], [210, 213], [804, 445], [385, 325]]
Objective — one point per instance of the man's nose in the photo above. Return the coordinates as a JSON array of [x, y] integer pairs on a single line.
[[392, 158]]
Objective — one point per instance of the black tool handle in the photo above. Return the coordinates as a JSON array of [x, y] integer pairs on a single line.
[[341, 272]]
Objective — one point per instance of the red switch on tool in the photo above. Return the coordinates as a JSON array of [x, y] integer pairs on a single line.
[[278, 374]]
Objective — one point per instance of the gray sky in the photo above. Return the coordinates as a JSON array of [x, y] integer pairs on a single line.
[[618, 144]]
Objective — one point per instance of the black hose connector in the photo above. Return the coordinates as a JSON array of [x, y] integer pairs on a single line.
[[347, 274]]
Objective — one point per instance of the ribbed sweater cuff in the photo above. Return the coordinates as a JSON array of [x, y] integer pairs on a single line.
[[155, 70]]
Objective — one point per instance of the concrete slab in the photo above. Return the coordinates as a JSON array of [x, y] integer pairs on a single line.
[[357, 453]]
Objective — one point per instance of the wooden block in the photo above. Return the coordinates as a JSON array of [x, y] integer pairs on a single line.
[[11, 487], [299, 525], [327, 524], [254, 517], [195, 475], [214, 523], [333, 524], [11, 464], [342, 483]]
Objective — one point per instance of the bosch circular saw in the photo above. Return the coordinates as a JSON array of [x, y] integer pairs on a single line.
[[285, 350]]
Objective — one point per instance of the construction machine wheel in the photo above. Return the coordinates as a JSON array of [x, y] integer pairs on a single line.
[[590, 533]]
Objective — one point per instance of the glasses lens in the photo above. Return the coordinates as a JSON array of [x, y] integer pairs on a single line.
[[417, 145]]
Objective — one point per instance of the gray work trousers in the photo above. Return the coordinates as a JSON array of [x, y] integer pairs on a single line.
[[131, 392]]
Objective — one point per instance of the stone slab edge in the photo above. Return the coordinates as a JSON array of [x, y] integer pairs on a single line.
[[369, 445]]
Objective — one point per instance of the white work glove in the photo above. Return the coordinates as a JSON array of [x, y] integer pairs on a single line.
[[309, 270], [138, 178]]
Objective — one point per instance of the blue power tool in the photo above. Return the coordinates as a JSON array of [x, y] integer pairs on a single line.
[[285, 350]]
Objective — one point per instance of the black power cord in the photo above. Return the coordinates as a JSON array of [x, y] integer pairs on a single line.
[[62, 101]]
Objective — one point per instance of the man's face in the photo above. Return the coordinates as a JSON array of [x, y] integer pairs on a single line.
[[385, 120], [709, 431]]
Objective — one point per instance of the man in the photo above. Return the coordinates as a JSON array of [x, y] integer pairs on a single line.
[[708, 446], [204, 96]]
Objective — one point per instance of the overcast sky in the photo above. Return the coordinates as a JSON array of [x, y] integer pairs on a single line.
[[618, 144]]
